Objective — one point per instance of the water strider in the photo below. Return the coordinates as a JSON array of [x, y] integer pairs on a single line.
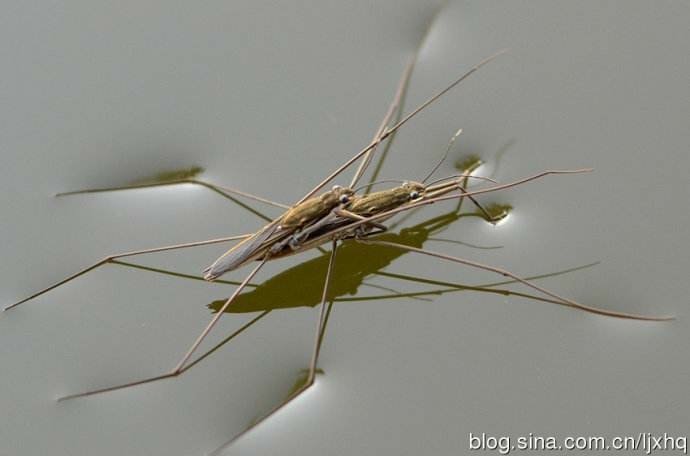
[[303, 217], [359, 207], [297, 218], [304, 212]]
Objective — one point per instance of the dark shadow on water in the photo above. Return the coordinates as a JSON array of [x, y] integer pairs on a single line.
[[176, 177], [302, 285], [170, 176]]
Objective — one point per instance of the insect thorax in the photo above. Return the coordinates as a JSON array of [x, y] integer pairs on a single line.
[[315, 208], [385, 200]]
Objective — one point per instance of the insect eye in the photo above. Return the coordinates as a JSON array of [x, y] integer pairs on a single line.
[[414, 194], [344, 199]]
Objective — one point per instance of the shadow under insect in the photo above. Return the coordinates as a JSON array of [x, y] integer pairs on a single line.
[[301, 286]]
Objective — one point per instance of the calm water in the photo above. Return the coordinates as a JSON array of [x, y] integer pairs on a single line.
[[268, 99]]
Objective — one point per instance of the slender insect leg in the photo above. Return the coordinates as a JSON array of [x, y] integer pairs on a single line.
[[225, 341], [109, 258], [476, 265], [363, 230], [325, 324], [178, 369], [392, 109], [463, 190], [485, 213], [172, 273], [503, 272], [225, 192], [425, 202], [336, 215], [218, 188], [216, 317], [389, 131], [490, 288], [463, 187], [356, 217], [183, 370], [392, 291], [318, 340], [323, 315], [234, 191]]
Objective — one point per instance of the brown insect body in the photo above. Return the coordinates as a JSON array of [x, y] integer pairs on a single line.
[[314, 208], [258, 246], [385, 200], [357, 208]]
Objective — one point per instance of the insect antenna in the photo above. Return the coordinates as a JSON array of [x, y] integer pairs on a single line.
[[463, 176], [481, 208], [445, 155]]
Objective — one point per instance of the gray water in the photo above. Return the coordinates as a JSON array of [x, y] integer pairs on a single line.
[[268, 98]]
